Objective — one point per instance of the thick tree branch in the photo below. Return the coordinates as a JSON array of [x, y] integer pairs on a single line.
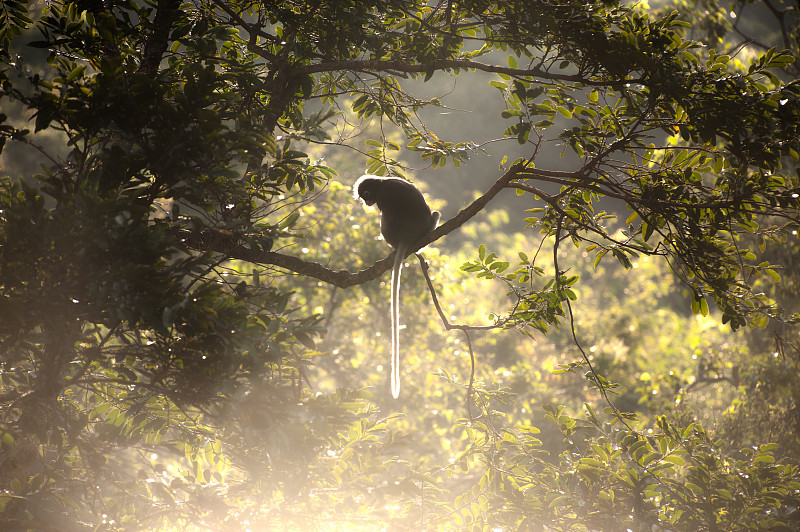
[[209, 241], [373, 65], [156, 43]]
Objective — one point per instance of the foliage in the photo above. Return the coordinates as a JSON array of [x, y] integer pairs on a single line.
[[183, 346]]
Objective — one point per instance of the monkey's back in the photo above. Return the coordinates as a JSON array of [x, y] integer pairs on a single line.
[[405, 215]]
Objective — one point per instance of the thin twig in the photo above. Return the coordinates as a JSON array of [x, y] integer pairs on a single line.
[[596, 376], [471, 375], [462, 327]]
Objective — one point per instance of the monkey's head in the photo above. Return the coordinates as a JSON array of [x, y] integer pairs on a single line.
[[365, 189]]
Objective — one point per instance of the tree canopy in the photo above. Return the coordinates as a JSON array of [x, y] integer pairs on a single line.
[[194, 313]]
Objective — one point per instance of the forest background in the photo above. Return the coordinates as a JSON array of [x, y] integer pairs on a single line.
[[194, 310]]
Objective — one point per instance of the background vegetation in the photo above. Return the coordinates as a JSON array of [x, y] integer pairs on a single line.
[[194, 311]]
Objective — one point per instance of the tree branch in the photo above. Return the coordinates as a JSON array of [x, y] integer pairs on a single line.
[[156, 43], [371, 65], [210, 240]]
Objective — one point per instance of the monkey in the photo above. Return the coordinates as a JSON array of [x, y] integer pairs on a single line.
[[405, 219]]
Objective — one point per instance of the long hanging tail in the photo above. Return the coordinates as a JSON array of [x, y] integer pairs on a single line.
[[396, 270]]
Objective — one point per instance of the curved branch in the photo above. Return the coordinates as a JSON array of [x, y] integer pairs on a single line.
[[218, 241], [342, 278]]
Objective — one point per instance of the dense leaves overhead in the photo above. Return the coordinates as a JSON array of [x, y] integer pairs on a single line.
[[176, 347]]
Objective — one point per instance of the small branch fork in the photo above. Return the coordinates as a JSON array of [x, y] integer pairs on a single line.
[[598, 380], [464, 328]]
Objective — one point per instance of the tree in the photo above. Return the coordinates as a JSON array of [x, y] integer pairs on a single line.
[[161, 329]]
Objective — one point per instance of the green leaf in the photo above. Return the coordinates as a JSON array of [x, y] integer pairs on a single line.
[[695, 488], [675, 459], [772, 273], [76, 73], [599, 256], [305, 339], [290, 220], [764, 458]]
